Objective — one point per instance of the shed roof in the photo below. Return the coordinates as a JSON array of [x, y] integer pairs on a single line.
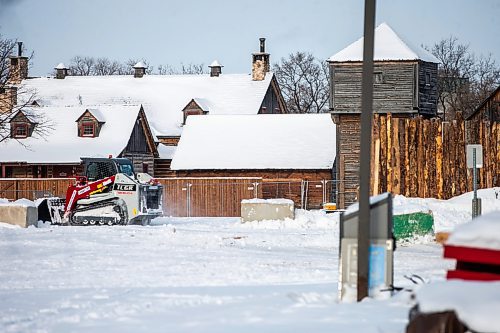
[[388, 46], [162, 96], [271, 141], [63, 145]]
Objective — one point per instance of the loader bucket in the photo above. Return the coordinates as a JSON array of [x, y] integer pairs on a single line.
[[51, 210]]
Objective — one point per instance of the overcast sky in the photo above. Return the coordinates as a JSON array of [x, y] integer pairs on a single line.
[[196, 31]]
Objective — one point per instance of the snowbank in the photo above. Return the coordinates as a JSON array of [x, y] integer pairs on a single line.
[[448, 213], [477, 304], [374, 199], [304, 219], [482, 232], [20, 202]]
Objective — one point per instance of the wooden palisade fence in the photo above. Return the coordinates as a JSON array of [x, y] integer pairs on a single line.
[[420, 157]]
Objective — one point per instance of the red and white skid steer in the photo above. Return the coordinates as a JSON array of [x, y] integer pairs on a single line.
[[109, 193]]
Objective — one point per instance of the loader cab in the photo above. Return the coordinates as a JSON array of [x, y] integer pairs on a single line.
[[100, 168]]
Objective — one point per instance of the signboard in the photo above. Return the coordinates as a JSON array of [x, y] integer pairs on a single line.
[[470, 156]]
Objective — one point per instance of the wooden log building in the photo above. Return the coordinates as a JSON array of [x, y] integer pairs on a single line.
[[167, 99], [405, 85]]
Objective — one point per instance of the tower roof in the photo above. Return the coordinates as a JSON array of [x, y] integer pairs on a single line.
[[388, 46]]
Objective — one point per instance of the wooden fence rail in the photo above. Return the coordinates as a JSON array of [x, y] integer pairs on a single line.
[[195, 196]]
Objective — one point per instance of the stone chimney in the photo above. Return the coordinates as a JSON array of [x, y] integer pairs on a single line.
[[61, 71], [215, 69], [139, 69], [8, 98], [18, 69], [260, 62]]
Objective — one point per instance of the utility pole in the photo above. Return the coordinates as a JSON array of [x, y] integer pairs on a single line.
[[365, 151]]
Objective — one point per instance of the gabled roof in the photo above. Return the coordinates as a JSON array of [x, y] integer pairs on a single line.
[[203, 103], [96, 113], [270, 141], [163, 96], [483, 103], [29, 114], [63, 145], [388, 46]]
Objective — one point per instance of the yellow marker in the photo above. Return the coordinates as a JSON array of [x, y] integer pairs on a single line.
[[134, 211]]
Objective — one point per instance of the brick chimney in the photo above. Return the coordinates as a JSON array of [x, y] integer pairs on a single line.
[[260, 62], [61, 71], [215, 69], [139, 69], [18, 69]]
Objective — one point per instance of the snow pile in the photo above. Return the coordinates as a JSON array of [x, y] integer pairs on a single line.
[[448, 213], [477, 304], [20, 202], [373, 200], [482, 232], [304, 219]]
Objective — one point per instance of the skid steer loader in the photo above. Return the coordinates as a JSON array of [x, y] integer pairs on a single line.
[[109, 193]]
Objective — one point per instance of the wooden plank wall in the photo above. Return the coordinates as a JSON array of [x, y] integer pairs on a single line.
[[195, 196], [207, 196], [33, 188], [425, 158]]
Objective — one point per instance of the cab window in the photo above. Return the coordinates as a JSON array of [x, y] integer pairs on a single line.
[[127, 169]]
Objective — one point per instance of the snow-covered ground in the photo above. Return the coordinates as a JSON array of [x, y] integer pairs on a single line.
[[201, 275]]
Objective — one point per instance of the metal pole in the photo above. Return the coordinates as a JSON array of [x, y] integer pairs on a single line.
[[474, 177], [364, 160]]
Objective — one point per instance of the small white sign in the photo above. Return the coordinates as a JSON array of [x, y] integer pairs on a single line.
[[470, 156]]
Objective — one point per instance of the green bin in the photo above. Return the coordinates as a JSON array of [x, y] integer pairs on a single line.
[[407, 226]]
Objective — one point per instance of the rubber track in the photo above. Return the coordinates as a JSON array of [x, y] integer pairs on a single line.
[[111, 202]]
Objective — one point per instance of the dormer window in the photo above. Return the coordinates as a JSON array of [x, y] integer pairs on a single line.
[[196, 106], [89, 123], [21, 126], [20, 131]]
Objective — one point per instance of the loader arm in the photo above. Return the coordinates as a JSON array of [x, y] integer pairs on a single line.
[[83, 189]]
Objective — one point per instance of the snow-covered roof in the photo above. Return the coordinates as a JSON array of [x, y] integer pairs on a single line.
[[388, 46], [271, 141], [203, 103], [215, 63], [163, 96], [60, 66], [63, 145], [166, 152], [98, 115], [140, 64]]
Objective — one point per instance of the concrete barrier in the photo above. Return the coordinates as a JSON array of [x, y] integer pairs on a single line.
[[270, 209], [20, 215]]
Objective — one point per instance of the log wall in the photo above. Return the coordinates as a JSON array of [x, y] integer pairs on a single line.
[[418, 157]]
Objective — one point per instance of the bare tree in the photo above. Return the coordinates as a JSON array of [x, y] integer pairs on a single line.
[[16, 97], [104, 66], [183, 69], [464, 80], [82, 66], [304, 83]]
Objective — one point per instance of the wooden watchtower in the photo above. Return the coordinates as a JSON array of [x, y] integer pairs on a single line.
[[405, 85]]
